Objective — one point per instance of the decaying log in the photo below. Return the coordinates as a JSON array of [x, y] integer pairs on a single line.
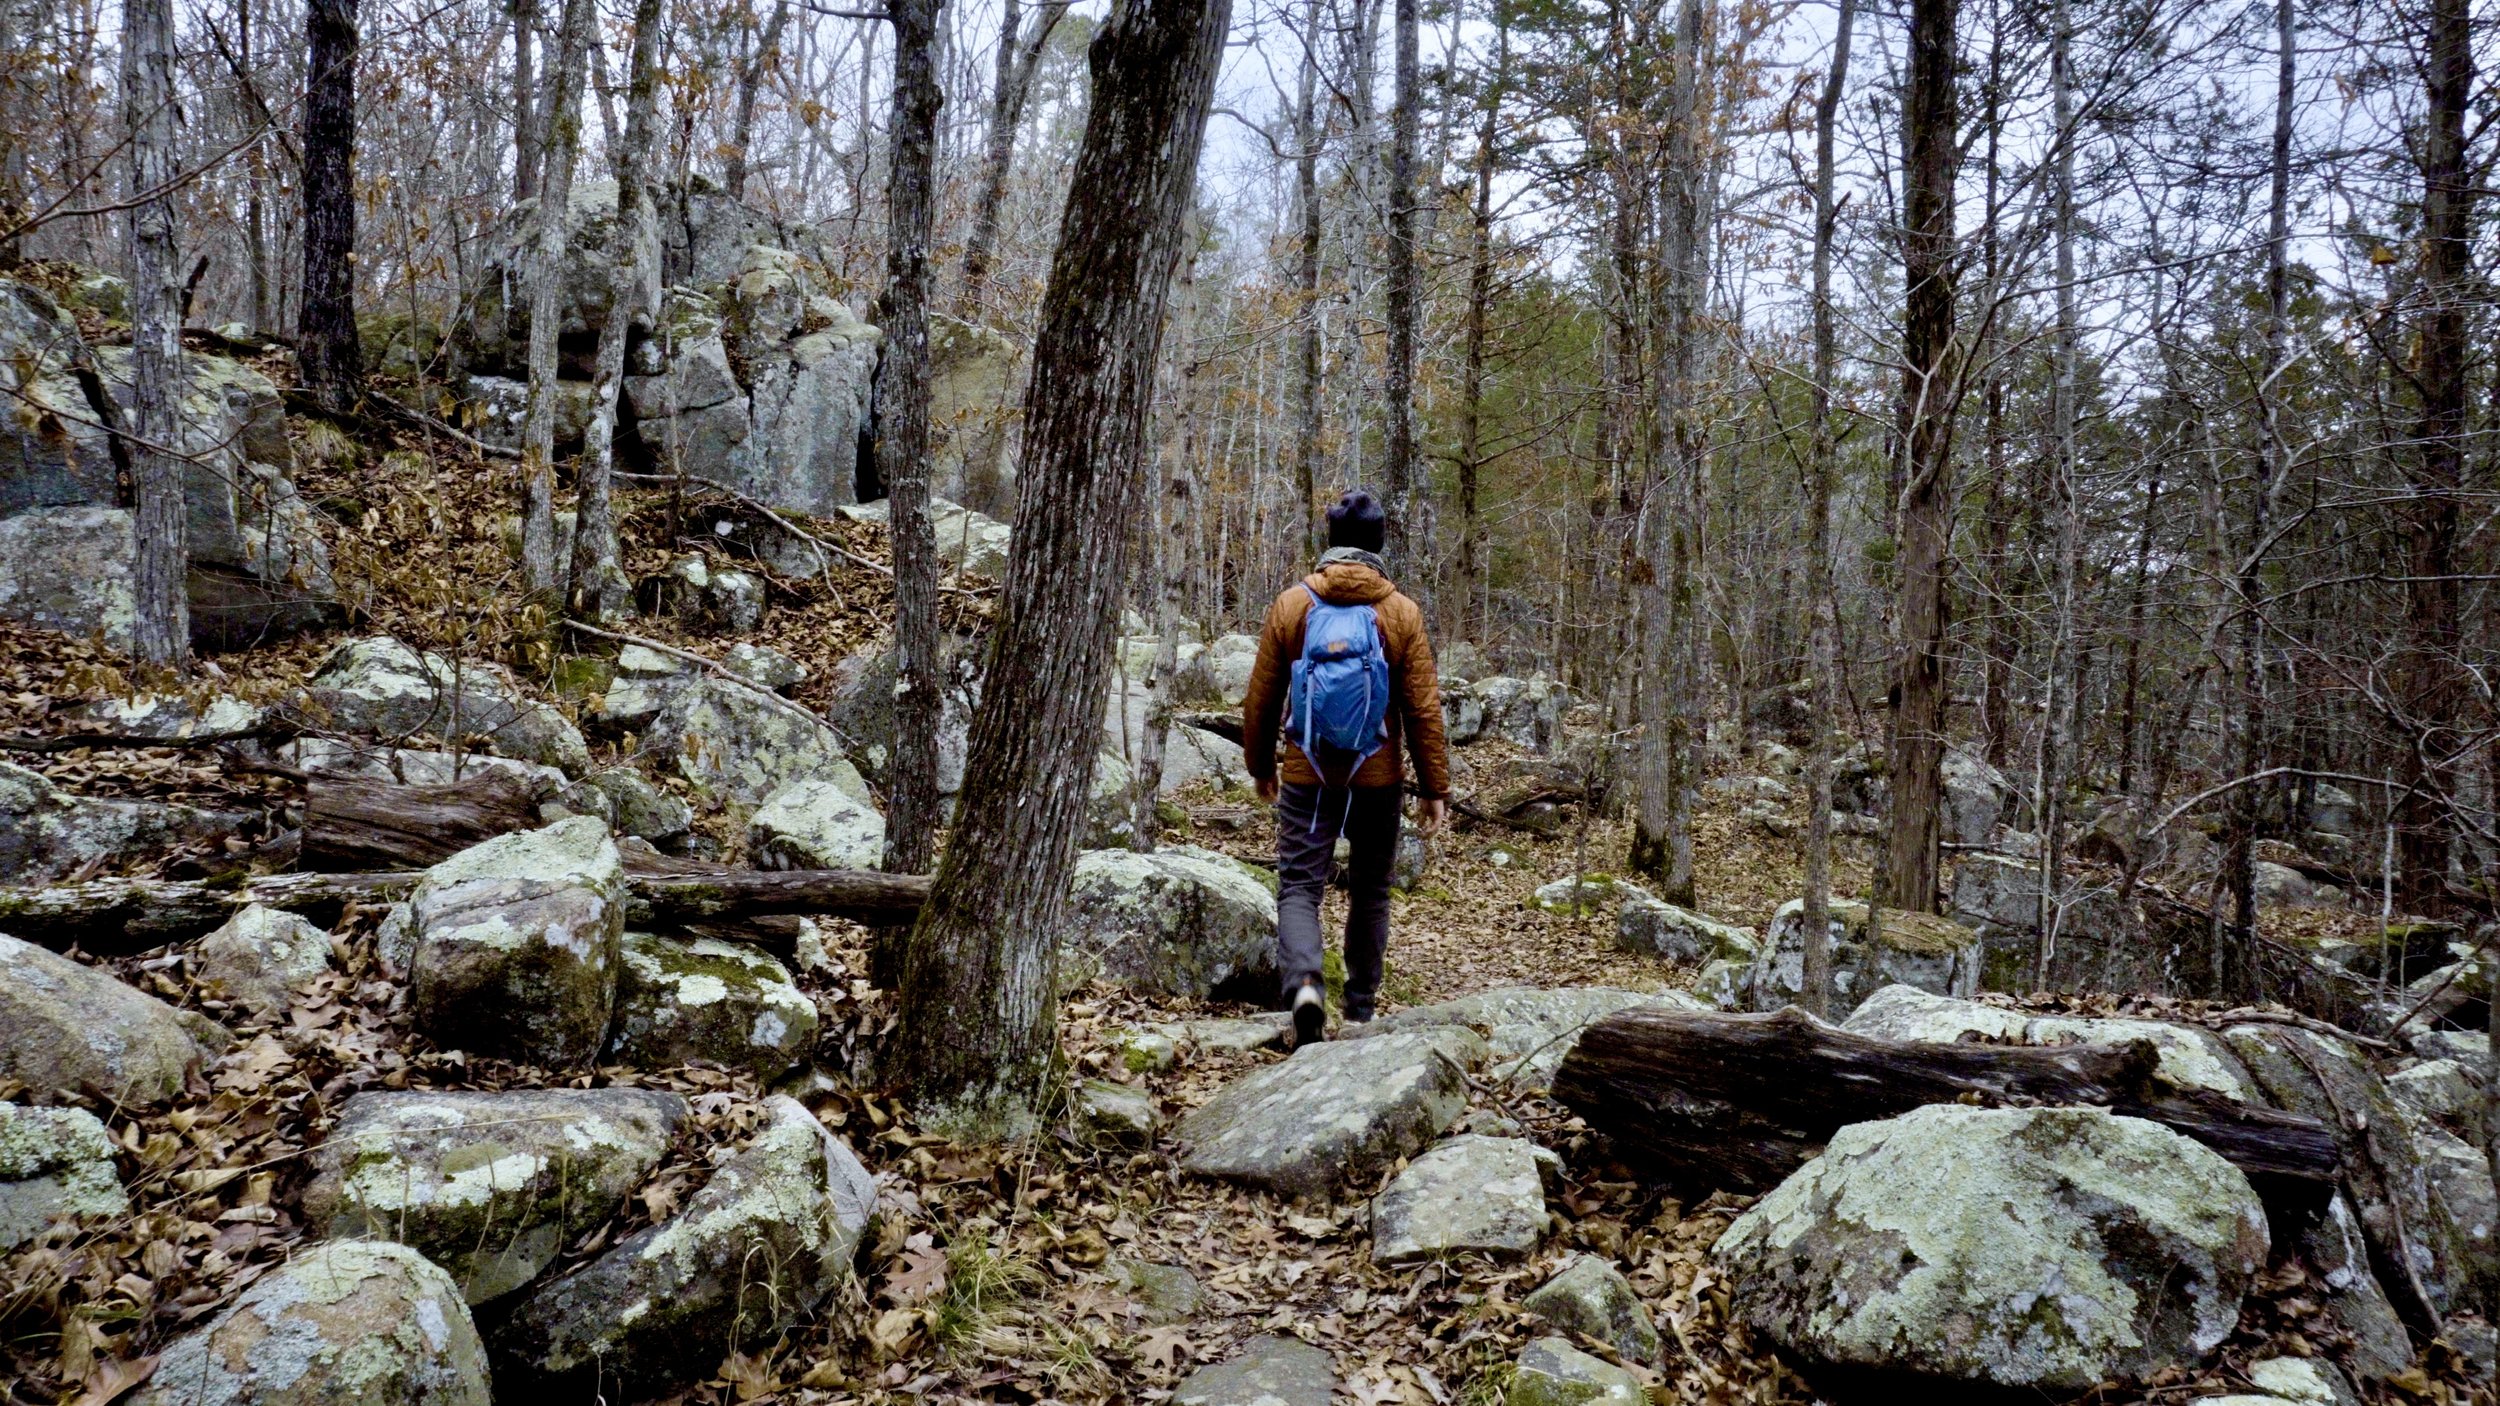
[[129, 915], [353, 822], [1702, 1100], [1224, 725]]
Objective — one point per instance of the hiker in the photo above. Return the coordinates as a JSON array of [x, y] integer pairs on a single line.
[[1345, 668]]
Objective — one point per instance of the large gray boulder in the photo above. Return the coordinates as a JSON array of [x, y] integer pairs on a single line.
[[1221, 672], [1977, 799], [1469, 1195], [862, 707], [491, 1186], [733, 741], [56, 1169], [762, 1245], [67, 1028], [47, 833], [260, 956], [1657, 928], [1268, 1371], [56, 451], [632, 804], [967, 541], [815, 825], [1333, 1114], [1181, 921], [1523, 712], [516, 945], [2187, 1057], [2037, 1250], [974, 403], [67, 569], [348, 1321], [1591, 1297], [1528, 1029], [382, 688], [680, 1000], [1912, 949]]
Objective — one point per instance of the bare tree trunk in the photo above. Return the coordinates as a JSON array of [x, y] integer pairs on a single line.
[[328, 355], [2431, 680], [598, 589], [1822, 471], [2064, 673], [1019, 55], [759, 65], [979, 1019], [912, 816], [161, 623], [1307, 408], [1479, 301], [1397, 381], [555, 193], [528, 147], [1931, 158]]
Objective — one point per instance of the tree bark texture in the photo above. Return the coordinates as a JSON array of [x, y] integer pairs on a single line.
[[555, 193], [1019, 56], [528, 149], [355, 823], [912, 816], [1460, 612], [596, 585], [979, 1019], [751, 76], [329, 356], [1709, 1101], [1308, 366], [161, 627], [1399, 296], [1923, 514]]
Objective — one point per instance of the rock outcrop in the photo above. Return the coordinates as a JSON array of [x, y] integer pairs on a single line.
[[1912, 949], [2037, 1250], [382, 688]]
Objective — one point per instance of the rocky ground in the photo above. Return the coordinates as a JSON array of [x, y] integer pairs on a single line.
[[494, 1134]]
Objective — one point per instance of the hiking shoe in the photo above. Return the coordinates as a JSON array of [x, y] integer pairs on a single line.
[[1310, 1015]]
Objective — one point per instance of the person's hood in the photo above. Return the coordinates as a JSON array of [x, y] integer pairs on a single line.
[[1347, 577]]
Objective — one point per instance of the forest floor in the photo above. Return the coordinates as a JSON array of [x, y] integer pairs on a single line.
[[991, 1275]]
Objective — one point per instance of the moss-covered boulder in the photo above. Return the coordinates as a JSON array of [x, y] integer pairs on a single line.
[[762, 1245], [1591, 1297], [491, 1186], [680, 1000], [2038, 1250], [1551, 1372], [515, 945], [344, 1322], [1181, 921], [1914, 949], [56, 1169]]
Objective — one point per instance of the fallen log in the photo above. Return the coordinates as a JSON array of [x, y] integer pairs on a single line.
[[356, 823], [1706, 1101], [130, 915]]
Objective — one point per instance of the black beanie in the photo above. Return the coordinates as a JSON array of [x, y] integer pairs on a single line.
[[1357, 520]]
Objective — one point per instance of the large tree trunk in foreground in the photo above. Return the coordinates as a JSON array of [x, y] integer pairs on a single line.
[[979, 1027], [329, 357], [161, 623], [1931, 158], [130, 915], [1741, 1101]]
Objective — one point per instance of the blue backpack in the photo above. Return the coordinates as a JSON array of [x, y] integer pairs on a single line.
[[1338, 712]]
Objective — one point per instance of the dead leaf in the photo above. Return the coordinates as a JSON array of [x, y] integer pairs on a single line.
[[922, 1275], [110, 1380], [1162, 1348]]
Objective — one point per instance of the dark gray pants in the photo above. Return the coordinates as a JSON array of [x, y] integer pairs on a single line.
[[1308, 821]]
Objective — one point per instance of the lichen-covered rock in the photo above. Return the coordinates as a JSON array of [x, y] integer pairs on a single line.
[[1913, 949], [1232, 1035], [381, 687], [1221, 672], [56, 1169], [720, 600], [1122, 1114], [966, 541], [679, 1000], [67, 1028], [1977, 798], [1469, 1195], [1163, 1293], [260, 956], [2441, 1091], [735, 742], [1524, 712], [1193, 756], [491, 1186], [47, 833], [1268, 1371], [2044, 1249], [2188, 1057], [761, 1246], [1576, 894], [1182, 921], [815, 825], [1334, 1113], [2461, 1184], [632, 804], [1145, 1051], [516, 945], [171, 716], [2355, 1303], [345, 1323], [1551, 1372], [763, 666], [1528, 1028], [1591, 1297], [1659, 929]]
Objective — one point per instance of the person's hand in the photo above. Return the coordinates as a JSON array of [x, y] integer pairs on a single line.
[[1431, 816], [1265, 786]]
